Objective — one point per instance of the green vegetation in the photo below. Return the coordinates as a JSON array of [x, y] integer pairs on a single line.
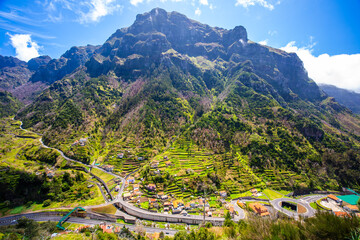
[[272, 194], [109, 209]]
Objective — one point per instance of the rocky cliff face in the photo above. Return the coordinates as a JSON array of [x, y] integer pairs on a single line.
[[159, 37], [56, 69]]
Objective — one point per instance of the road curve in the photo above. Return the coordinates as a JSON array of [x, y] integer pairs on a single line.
[[310, 212]]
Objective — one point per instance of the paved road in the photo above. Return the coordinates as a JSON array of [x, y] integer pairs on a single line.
[[309, 213], [41, 218], [240, 211], [312, 198]]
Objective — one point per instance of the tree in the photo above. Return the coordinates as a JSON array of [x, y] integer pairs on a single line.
[[228, 222]]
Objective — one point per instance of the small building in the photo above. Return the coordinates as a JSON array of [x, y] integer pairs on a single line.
[[108, 168], [164, 197], [82, 141], [193, 204], [137, 192], [157, 172], [223, 194], [131, 180], [50, 174], [154, 164], [209, 214], [351, 208], [151, 187], [126, 196], [152, 200], [120, 155], [90, 186], [167, 204], [168, 163], [106, 228], [160, 194], [341, 214], [117, 188], [254, 192], [259, 209], [176, 211], [183, 212], [166, 158], [166, 209], [140, 158], [240, 204], [178, 203], [136, 186], [232, 211], [188, 206], [332, 198]]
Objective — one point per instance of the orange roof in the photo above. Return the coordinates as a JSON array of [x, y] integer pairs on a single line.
[[253, 190], [151, 185], [333, 197], [341, 214], [258, 208], [231, 209], [353, 207], [152, 200]]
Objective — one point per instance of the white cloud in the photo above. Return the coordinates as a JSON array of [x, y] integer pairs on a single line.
[[25, 48], [264, 42], [340, 70], [87, 11], [247, 3], [204, 2], [198, 12], [98, 9], [136, 2], [272, 33]]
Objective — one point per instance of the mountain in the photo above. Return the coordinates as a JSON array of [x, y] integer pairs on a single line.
[[56, 69], [9, 105], [246, 114], [349, 99]]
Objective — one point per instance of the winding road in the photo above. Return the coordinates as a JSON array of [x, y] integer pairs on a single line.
[[193, 219], [309, 210]]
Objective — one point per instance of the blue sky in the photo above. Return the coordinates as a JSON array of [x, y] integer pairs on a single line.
[[324, 33]]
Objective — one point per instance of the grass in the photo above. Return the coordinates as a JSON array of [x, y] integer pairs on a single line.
[[272, 194], [73, 236], [109, 209], [103, 175]]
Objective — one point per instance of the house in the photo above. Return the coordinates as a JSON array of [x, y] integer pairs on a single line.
[[168, 163], [117, 188], [154, 164], [136, 186], [351, 208], [183, 212], [167, 204], [160, 194], [188, 206], [82, 227], [164, 197], [82, 141], [131, 180], [178, 203], [50, 173], [166, 209], [120, 155], [108, 168], [259, 209], [151, 187], [152, 200], [209, 214], [341, 214], [232, 211], [176, 211], [240, 204], [223, 194], [137, 192], [254, 192], [193, 204], [140, 158], [157, 172], [126, 196], [333, 199], [166, 158], [90, 186], [154, 236], [106, 228], [75, 143]]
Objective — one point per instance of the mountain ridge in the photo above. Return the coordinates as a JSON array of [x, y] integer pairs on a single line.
[[146, 90]]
